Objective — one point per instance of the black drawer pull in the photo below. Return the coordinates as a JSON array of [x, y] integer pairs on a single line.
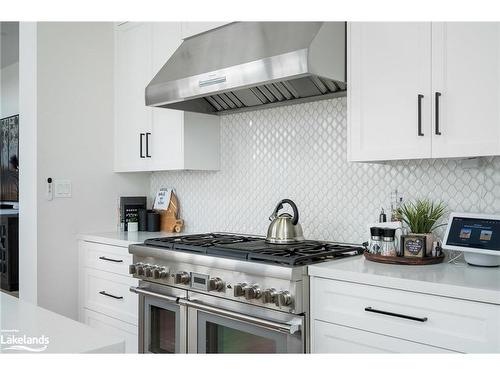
[[140, 145], [419, 115], [109, 295], [111, 260], [369, 309], [438, 94], [147, 145]]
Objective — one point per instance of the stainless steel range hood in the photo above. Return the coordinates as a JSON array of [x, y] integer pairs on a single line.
[[249, 65]]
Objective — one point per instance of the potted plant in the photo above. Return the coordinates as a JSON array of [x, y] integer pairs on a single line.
[[422, 217]]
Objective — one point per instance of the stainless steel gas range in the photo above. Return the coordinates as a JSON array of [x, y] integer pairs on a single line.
[[226, 293]]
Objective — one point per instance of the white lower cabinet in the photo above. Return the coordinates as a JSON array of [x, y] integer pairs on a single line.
[[333, 338], [105, 300], [373, 318], [114, 327]]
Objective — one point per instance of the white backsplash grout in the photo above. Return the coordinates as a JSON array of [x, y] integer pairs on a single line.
[[300, 152]]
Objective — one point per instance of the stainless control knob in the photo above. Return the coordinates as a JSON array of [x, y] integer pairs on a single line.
[[239, 289], [148, 271], [284, 298], [164, 274], [140, 270], [156, 273], [132, 269], [269, 295], [182, 278], [252, 292], [216, 284]]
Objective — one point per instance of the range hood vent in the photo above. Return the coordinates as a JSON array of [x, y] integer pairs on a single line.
[[250, 65]]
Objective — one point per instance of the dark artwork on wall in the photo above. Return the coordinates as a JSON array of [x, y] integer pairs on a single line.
[[9, 158]]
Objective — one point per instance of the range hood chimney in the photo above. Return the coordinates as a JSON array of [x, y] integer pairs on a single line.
[[250, 65]]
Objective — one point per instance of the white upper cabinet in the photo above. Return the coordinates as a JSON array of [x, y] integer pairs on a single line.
[[466, 80], [154, 139], [132, 117], [193, 28], [388, 75], [423, 90]]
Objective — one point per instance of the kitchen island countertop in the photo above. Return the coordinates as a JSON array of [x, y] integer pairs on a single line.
[[27, 328]]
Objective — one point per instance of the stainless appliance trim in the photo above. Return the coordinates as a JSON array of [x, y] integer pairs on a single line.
[[259, 269], [153, 294], [247, 65], [293, 326], [145, 294]]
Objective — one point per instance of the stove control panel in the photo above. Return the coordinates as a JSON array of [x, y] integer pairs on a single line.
[[249, 292]]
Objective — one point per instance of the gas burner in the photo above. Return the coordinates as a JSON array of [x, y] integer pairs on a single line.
[[256, 249]]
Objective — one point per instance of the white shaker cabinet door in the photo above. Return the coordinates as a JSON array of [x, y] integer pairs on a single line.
[[132, 117], [167, 136], [466, 89], [389, 103]]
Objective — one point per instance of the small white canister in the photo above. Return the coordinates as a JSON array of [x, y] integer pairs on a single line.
[[133, 226]]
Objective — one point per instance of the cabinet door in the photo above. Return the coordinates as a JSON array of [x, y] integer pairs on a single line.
[[166, 140], [132, 74], [466, 74], [193, 28], [114, 327], [333, 338], [389, 66]]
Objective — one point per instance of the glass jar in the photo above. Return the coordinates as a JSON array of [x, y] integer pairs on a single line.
[[375, 244], [389, 247]]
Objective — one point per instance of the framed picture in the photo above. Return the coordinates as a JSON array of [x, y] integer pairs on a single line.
[[414, 245]]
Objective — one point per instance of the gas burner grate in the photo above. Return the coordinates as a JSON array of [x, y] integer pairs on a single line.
[[256, 249]]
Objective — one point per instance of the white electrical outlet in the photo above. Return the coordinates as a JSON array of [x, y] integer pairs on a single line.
[[62, 189]]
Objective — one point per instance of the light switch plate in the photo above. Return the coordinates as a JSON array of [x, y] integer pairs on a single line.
[[62, 189]]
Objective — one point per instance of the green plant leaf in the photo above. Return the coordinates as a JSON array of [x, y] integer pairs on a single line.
[[422, 216]]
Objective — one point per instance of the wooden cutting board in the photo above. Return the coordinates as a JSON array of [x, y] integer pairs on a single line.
[[169, 221]]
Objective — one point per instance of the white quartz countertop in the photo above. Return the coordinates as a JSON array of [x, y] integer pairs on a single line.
[[124, 238], [27, 328], [452, 280]]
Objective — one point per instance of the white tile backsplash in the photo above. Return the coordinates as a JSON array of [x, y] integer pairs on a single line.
[[300, 152]]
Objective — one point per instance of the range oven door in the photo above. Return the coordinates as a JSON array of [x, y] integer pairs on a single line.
[[232, 327], [162, 320]]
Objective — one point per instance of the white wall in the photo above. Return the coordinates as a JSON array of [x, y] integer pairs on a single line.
[[27, 171], [75, 142], [9, 90]]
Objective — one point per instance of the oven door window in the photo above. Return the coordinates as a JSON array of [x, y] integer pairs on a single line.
[[217, 334], [161, 327]]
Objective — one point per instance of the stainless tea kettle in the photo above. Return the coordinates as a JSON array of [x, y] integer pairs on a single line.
[[284, 228]]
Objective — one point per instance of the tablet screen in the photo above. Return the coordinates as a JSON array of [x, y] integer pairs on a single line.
[[474, 233]]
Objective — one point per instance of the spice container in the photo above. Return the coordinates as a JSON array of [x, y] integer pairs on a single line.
[[375, 244], [389, 247]]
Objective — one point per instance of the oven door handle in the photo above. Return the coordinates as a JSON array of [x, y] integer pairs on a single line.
[[291, 327], [153, 294]]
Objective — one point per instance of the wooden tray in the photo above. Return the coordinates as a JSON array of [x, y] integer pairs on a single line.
[[403, 260]]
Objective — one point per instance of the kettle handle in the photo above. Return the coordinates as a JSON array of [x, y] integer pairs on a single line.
[[295, 219]]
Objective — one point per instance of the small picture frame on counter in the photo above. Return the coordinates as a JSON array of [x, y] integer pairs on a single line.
[[413, 245]]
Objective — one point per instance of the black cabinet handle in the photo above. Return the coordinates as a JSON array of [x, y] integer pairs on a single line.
[[369, 309], [419, 115], [438, 94], [111, 260], [109, 295], [140, 145], [147, 145]]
